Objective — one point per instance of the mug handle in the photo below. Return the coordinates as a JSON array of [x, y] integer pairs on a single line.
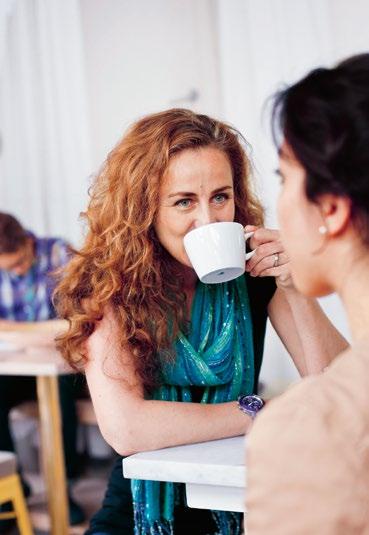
[[251, 253]]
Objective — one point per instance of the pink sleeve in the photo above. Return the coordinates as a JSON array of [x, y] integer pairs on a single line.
[[305, 475]]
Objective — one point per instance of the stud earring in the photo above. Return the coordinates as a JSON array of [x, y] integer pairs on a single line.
[[322, 230]]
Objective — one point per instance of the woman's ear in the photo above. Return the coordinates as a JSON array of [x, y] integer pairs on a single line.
[[336, 212]]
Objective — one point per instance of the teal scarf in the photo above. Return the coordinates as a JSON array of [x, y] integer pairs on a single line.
[[218, 355]]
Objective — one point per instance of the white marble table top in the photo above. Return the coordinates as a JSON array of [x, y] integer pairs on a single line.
[[217, 462], [32, 362]]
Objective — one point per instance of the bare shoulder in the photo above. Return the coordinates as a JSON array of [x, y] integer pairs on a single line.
[[116, 390], [107, 361]]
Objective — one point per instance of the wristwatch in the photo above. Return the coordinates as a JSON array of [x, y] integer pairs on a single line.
[[250, 405]]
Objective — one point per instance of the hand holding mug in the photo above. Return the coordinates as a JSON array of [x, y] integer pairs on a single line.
[[269, 258], [217, 251]]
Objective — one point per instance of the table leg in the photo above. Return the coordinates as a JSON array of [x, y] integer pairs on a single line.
[[52, 453]]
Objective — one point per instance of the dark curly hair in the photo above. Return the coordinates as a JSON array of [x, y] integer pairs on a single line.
[[324, 118]]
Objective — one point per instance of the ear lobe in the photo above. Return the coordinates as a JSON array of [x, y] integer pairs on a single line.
[[336, 212]]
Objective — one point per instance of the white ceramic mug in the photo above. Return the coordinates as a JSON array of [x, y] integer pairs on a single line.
[[217, 251]]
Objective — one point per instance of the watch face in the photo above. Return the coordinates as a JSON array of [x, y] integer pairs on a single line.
[[250, 404]]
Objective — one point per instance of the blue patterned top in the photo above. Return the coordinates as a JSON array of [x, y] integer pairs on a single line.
[[29, 297]]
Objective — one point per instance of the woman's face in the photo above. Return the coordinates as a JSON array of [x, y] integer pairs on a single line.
[[299, 221], [197, 189]]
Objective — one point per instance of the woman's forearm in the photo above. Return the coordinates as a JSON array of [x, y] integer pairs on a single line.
[[155, 424], [131, 423], [321, 342]]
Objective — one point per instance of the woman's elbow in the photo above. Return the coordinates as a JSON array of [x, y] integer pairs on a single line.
[[122, 440], [122, 449]]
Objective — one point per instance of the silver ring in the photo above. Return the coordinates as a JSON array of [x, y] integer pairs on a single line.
[[276, 260]]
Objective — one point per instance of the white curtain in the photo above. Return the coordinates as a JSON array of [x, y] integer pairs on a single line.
[[264, 45], [6, 7], [45, 148]]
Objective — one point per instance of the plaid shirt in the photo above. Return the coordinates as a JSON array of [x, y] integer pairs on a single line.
[[28, 297]]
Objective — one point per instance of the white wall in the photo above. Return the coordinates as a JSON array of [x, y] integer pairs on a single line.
[[44, 152], [143, 56]]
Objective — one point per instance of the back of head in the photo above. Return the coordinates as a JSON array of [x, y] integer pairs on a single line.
[[324, 118], [12, 235]]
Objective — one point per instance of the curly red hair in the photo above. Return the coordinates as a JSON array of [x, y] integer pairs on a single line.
[[122, 263]]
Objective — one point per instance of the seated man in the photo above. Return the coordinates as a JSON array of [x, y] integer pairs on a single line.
[[26, 310]]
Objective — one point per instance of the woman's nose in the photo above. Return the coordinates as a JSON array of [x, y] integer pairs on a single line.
[[205, 216]]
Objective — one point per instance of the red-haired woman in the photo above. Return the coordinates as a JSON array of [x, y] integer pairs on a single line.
[[166, 356]]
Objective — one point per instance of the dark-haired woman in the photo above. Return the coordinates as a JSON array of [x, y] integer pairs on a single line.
[[165, 356], [315, 478]]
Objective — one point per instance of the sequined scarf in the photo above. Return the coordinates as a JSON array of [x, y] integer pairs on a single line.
[[218, 355]]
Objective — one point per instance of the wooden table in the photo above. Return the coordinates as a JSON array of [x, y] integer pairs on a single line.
[[46, 364], [214, 472]]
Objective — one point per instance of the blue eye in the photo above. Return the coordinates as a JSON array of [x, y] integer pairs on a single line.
[[220, 197], [183, 203]]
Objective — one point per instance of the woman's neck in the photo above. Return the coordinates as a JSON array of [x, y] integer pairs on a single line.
[[354, 292]]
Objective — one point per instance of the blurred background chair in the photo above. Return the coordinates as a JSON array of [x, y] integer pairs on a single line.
[[11, 491]]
